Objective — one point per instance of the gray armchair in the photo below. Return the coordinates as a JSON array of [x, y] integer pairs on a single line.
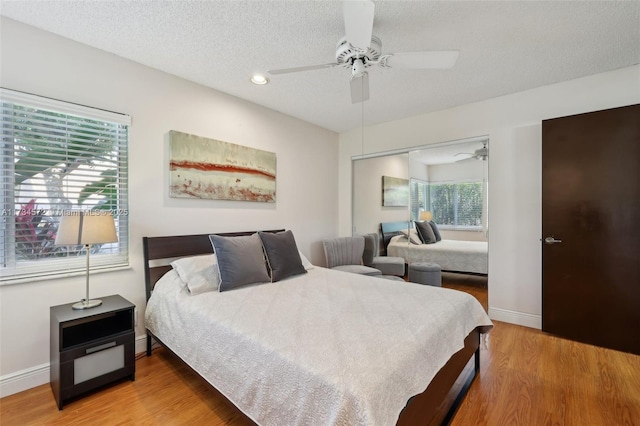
[[345, 254], [387, 265]]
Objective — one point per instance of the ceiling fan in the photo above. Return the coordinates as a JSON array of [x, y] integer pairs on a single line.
[[359, 50], [478, 154]]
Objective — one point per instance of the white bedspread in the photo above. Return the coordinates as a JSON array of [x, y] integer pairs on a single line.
[[324, 348], [451, 255]]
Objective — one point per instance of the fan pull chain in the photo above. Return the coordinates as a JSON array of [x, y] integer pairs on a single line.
[[362, 114]]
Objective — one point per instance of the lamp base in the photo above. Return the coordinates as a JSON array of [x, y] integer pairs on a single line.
[[86, 304]]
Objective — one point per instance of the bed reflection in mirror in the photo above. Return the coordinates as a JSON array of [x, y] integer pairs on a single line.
[[449, 180]]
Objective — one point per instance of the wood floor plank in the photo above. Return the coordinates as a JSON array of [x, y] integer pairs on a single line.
[[527, 377], [570, 383]]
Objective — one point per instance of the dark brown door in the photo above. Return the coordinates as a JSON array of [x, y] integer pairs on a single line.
[[591, 220]]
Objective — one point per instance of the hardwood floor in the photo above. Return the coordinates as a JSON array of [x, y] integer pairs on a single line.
[[165, 392], [475, 285], [527, 378]]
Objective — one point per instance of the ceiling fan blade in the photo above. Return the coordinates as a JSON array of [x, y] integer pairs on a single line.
[[298, 69], [360, 88], [420, 60], [358, 22]]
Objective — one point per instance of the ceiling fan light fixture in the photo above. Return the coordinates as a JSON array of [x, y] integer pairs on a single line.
[[357, 68], [259, 79], [360, 50]]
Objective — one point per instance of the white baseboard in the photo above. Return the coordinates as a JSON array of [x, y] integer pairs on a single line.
[[518, 318], [39, 375], [141, 344], [24, 379]]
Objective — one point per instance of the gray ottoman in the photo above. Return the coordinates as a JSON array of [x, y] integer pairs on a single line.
[[425, 273]]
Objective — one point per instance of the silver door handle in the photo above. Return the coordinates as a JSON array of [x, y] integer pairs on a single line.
[[551, 240]]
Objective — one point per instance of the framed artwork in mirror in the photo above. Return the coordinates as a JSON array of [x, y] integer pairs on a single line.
[[395, 192]]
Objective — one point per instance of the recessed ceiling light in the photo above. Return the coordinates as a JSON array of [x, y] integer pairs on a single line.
[[259, 79]]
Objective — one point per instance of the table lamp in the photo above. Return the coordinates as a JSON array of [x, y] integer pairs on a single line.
[[426, 215], [86, 228]]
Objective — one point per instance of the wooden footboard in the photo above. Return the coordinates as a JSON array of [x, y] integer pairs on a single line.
[[439, 402]]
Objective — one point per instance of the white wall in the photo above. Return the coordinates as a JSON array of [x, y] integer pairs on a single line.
[[368, 211], [38, 62], [513, 124], [418, 170]]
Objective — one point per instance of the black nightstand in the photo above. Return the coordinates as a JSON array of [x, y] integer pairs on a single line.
[[92, 347]]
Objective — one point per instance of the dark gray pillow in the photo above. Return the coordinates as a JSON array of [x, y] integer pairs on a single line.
[[436, 231], [425, 232], [240, 260], [282, 253]]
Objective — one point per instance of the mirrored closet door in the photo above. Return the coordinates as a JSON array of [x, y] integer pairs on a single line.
[[447, 180]]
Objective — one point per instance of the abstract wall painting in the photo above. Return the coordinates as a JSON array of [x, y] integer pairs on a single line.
[[211, 169], [395, 192]]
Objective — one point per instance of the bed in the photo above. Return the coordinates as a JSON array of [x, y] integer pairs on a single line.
[[451, 255], [323, 347]]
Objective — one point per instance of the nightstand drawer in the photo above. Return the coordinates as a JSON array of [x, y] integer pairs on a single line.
[[85, 372], [95, 346], [98, 363]]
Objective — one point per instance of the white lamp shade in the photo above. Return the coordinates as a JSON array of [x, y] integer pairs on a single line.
[[426, 215], [95, 227]]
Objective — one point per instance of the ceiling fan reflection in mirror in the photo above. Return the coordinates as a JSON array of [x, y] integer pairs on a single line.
[[359, 50], [478, 154]]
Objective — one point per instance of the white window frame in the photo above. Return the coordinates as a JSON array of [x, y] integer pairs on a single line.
[[456, 227], [73, 261], [415, 205]]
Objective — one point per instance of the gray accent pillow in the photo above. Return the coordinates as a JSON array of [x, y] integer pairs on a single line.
[[436, 231], [240, 260], [283, 257], [426, 232]]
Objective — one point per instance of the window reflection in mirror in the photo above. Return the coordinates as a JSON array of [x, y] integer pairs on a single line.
[[448, 179]]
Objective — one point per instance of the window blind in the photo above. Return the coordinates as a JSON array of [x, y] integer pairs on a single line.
[[58, 157], [419, 196], [457, 205]]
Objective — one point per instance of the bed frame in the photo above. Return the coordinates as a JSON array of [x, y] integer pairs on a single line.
[[435, 406], [390, 230]]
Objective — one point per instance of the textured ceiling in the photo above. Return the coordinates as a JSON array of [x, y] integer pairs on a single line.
[[505, 47]]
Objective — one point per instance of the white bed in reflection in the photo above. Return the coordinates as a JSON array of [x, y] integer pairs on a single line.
[[451, 255]]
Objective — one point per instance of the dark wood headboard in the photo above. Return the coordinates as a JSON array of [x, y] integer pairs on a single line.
[[159, 251], [390, 230]]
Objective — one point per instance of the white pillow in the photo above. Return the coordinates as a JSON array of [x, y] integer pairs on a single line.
[[305, 262], [413, 236], [200, 273]]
